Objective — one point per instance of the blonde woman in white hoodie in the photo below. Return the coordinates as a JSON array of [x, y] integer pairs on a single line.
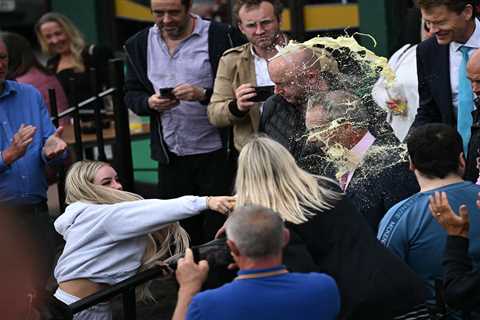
[[112, 234]]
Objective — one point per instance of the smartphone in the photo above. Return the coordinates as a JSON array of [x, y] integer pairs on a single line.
[[167, 93], [263, 93]]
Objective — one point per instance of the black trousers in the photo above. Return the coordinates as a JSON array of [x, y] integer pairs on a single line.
[[209, 174]]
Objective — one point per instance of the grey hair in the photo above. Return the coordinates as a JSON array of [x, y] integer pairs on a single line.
[[340, 105], [256, 231]]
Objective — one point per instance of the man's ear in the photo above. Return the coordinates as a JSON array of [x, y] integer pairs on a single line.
[[239, 25], [411, 166], [461, 161], [233, 248], [286, 237], [468, 12]]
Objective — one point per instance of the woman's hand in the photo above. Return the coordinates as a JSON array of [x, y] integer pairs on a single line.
[[221, 204]]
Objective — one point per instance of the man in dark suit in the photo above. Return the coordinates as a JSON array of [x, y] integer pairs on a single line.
[[374, 182], [344, 143], [439, 63]]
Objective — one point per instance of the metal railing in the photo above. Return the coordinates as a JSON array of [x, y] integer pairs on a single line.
[[125, 288], [122, 159]]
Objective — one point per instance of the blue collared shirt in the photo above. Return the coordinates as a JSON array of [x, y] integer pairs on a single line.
[[186, 129], [24, 180]]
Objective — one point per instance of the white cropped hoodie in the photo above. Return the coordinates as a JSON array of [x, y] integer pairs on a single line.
[[106, 242]]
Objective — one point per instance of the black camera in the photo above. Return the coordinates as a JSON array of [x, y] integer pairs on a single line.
[[263, 93], [167, 93], [216, 252]]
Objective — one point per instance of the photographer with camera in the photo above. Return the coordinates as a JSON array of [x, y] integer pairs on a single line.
[[242, 82], [263, 289]]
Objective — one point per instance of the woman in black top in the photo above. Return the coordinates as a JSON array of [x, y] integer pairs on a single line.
[[71, 56], [327, 230]]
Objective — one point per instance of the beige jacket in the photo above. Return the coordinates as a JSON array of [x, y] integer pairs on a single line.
[[235, 68]]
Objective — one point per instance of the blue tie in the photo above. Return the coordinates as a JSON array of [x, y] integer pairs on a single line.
[[465, 101]]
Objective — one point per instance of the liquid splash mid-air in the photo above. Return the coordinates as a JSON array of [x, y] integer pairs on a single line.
[[345, 107]]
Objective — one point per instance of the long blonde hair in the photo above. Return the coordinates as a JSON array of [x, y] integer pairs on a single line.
[[77, 40], [171, 240], [268, 176]]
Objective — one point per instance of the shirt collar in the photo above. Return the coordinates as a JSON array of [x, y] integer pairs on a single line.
[[252, 50], [251, 271], [362, 146], [8, 89], [472, 42]]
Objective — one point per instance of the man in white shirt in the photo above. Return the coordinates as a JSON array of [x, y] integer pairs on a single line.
[[244, 67]]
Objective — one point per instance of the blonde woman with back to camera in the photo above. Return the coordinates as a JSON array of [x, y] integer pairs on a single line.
[[112, 234], [323, 222]]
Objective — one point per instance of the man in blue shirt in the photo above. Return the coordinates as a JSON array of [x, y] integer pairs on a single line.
[[408, 228], [263, 289], [28, 141]]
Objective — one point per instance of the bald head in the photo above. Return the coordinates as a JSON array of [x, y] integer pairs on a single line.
[[473, 71], [296, 73]]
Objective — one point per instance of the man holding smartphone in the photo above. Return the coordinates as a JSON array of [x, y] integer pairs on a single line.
[[170, 73], [236, 101]]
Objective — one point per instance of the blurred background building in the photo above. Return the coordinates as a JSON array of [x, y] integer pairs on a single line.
[[111, 22]]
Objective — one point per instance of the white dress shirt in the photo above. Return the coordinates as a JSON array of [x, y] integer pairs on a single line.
[[456, 60]]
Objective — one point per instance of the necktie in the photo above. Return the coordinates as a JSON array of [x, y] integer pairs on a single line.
[[465, 101]]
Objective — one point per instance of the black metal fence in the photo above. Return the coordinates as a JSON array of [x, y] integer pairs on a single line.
[[122, 151], [126, 288]]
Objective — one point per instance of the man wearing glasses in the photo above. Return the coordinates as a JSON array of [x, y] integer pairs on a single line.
[[243, 68]]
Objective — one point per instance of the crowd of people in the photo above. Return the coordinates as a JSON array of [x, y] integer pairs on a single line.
[[333, 178]]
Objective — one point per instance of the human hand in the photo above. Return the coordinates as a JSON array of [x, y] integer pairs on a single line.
[[54, 145], [455, 225], [159, 103], [190, 275], [21, 140], [188, 92], [243, 93], [220, 234], [221, 204]]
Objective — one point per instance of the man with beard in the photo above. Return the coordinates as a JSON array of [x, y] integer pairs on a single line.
[[297, 74], [244, 67], [170, 73]]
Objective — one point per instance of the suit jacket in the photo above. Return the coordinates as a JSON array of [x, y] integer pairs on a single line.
[[381, 180], [434, 88]]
